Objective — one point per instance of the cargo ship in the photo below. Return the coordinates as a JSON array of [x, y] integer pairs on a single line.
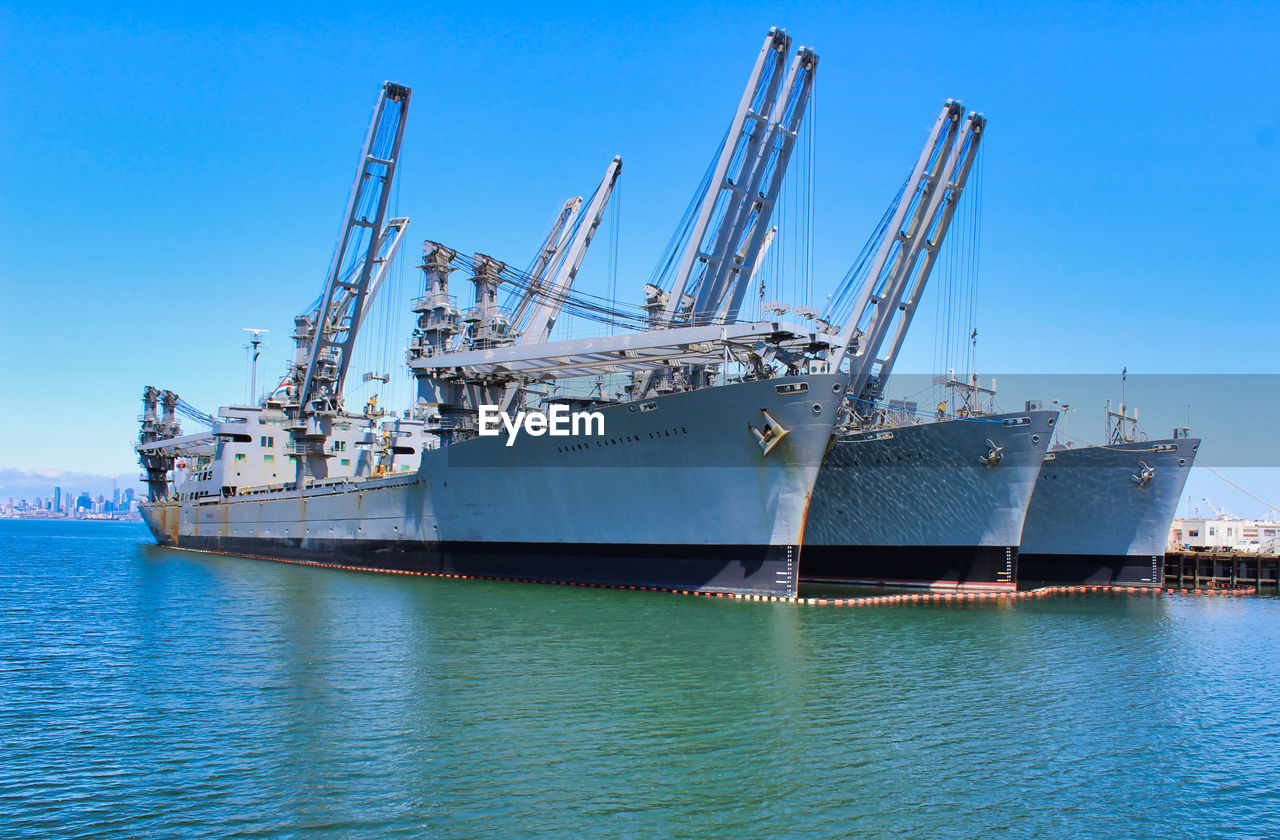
[[936, 504], [686, 478], [903, 500], [1101, 514]]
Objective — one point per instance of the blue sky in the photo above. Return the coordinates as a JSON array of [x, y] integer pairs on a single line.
[[175, 173]]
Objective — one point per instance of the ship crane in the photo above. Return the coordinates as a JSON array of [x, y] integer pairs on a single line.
[[888, 297], [325, 336], [728, 235], [731, 228], [1220, 513], [546, 308], [552, 246], [720, 300], [388, 246], [543, 306]]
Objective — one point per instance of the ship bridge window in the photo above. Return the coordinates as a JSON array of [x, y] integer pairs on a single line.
[[268, 440], [270, 459], [240, 456]]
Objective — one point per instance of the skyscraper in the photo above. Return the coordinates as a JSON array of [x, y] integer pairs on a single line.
[[57, 500]]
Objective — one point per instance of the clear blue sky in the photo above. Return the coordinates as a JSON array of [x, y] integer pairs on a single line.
[[175, 173]]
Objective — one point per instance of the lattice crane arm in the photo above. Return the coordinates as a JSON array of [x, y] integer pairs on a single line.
[[785, 130], [888, 298], [925, 254], [747, 135], [546, 309], [552, 248], [326, 337]]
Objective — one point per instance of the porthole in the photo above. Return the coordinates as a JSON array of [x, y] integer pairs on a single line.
[[1035, 438], [1052, 420], [1182, 462], [817, 408], [835, 389]]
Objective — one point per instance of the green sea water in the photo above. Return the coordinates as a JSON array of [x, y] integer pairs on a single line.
[[154, 693]]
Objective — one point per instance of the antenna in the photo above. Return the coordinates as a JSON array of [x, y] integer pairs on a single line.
[[255, 342]]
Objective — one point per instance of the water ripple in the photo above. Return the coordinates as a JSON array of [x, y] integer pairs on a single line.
[[152, 693]]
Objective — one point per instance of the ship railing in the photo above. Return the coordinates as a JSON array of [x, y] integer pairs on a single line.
[[425, 303]]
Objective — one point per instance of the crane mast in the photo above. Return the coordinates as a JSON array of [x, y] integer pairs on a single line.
[[903, 262], [325, 336]]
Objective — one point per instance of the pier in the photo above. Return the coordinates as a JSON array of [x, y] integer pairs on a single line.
[[1221, 568]]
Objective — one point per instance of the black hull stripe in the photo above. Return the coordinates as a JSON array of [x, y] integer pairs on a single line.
[[934, 566], [1135, 570], [875, 600], [743, 569]]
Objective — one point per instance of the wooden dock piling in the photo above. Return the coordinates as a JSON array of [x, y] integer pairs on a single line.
[[1222, 568]]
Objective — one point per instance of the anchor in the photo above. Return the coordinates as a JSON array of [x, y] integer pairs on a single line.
[[772, 435], [1143, 478], [994, 456]]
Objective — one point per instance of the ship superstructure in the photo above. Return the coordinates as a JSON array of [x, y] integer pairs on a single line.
[[1101, 514], [625, 502]]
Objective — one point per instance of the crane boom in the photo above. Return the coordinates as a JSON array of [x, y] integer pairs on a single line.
[[325, 337], [891, 292], [747, 134], [388, 246], [552, 246], [925, 254], [783, 138], [547, 308], [734, 237]]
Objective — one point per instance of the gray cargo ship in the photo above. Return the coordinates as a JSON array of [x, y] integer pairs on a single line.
[[684, 479], [938, 504], [1101, 514], [899, 501], [623, 508]]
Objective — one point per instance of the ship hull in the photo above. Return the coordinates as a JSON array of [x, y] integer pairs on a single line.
[[722, 568], [1091, 521], [920, 508], [678, 495]]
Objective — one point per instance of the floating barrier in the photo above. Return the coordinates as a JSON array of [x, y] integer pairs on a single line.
[[862, 601]]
